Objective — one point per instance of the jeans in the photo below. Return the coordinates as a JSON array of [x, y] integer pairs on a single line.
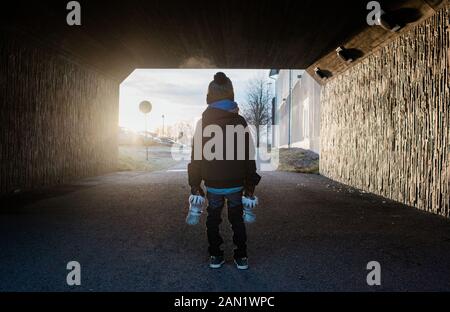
[[235, 211]]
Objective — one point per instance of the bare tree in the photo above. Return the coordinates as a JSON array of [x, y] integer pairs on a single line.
[[257, 110], [184, 131]]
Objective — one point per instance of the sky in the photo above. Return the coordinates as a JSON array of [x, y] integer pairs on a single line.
[[179, 94]]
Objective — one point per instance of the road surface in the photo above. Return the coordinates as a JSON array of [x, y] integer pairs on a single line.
[[127, 231]]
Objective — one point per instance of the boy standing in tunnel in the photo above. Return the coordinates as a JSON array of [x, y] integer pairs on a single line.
[[225, 179]]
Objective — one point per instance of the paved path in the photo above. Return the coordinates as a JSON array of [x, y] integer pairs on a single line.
[[127, 230]]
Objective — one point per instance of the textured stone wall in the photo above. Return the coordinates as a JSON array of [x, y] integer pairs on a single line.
[[385, 122], [58, 119]]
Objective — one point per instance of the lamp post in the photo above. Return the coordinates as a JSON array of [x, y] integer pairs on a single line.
[[274, 74], [268, 122], [290, 108], [163, 124], [145, 107]]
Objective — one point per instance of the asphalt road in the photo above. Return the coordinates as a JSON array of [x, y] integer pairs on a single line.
[[128, 233]]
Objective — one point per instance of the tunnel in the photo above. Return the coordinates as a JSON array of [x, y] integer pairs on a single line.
[[384, 110]]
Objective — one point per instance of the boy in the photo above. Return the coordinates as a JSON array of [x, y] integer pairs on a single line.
[[224, 178]]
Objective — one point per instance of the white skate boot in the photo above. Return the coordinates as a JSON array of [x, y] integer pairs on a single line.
[[196, 203], [249, 203]]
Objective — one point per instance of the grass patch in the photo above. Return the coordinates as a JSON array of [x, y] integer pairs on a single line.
[[128, 163], [298, 160], [133, 158]]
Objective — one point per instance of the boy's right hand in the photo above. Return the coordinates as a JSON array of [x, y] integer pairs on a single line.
[[249, 190], [197, 190]]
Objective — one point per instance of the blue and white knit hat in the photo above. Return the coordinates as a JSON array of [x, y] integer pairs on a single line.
[[221, 88]]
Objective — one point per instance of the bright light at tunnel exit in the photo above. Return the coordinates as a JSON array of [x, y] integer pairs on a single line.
[[178, 94]]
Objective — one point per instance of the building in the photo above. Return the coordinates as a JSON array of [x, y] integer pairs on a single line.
[[296, 110]]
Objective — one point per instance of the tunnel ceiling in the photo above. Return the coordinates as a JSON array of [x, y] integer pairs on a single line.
[[118, 36]]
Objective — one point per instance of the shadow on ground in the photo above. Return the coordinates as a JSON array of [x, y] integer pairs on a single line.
[[127, 230]]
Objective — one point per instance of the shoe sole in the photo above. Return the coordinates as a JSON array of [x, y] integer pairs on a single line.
[[216, 266], [241, 267]]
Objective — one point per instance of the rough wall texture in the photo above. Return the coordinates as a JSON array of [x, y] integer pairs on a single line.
[[385, 122], [58, 119]]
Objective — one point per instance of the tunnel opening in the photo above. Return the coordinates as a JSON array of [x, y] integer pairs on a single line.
[[160, 139], [282, 106]]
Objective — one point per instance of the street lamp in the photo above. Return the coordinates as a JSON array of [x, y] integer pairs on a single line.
[[163, 125], [145, 107], [269, 85]]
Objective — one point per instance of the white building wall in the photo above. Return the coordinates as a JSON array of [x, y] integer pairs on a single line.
[[304, 116]]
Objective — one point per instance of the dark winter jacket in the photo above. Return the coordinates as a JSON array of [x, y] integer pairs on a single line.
[[223, 173]]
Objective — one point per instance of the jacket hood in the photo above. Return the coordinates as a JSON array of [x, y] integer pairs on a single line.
[[216, 115]]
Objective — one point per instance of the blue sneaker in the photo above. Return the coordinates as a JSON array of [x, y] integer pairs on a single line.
[[241, 263], [216, 262]]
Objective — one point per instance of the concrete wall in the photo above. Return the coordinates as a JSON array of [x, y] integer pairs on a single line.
[[305, 131], [285, 81], [305, 110], [58, 119], [385, 122]]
